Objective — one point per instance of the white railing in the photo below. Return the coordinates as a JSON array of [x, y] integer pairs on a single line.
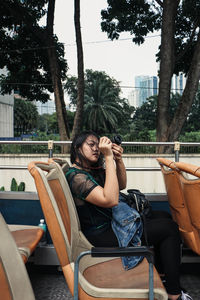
[[142, 169]]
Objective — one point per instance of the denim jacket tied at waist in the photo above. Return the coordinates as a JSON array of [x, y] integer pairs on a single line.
[[127, 226]]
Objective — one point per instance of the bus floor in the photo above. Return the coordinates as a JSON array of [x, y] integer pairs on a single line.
[[49, 283]]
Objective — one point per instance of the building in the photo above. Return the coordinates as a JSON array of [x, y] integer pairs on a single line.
[[45, 108], [6, 113], [145, 87], [133, 98], [6, 116], [178, 83]]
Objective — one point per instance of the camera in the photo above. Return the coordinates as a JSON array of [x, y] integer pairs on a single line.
[[117, 139]]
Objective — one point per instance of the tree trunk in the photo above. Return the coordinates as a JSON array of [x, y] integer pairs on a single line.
[[56, 77], [166, 68], [80, 65], [188, 95]]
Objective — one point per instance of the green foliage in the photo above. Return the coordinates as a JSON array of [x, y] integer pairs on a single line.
[[130, 15], [21, 187], [42, 136], [49, 124], [25, 116], [23, 50], [104, 110], [144, 118], [15, 187], [190, 137]]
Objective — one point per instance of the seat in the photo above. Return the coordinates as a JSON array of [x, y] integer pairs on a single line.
[[191, 189], [98, 277], [14, 280], [27, 238], [177, 203]]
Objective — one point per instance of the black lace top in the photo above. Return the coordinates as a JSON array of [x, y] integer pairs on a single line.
[[93, 219]]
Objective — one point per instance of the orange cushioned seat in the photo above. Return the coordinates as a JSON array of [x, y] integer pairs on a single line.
[[178, 206], [27, 238], [14, 280], [191, 189]]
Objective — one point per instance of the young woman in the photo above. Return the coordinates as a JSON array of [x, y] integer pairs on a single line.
[[95, 178]]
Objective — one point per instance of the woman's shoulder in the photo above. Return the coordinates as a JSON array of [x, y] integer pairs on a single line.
[[74, 173]]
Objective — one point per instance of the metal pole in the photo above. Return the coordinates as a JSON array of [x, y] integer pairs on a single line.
[[50, 148], [76, 271], [151, 288], [176, 150]]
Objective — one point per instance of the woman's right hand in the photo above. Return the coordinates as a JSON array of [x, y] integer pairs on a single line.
[[105, 146]]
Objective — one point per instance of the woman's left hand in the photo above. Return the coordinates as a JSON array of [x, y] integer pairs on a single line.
[[117, 151]]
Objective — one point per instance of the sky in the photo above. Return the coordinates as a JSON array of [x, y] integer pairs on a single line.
[[121, 60]]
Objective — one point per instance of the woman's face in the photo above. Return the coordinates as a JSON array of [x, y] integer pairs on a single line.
[[90, 149]]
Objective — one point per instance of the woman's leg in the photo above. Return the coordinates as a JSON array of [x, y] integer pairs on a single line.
[[104, 239], [163, 234]]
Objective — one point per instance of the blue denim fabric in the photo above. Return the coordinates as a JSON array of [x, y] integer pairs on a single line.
[[127, 226]]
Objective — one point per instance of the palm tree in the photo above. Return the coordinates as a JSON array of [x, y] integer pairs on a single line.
[[101, 108]]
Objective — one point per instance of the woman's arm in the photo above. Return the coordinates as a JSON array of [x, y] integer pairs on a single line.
[[120, 167], [107, 196]]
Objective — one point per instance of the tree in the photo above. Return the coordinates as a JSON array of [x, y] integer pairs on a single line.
[[180, 49], [103, 106], [192, 123], [32, 54], [25, 117], [49, 123], [56, 76], [80, 66], [145, 115]]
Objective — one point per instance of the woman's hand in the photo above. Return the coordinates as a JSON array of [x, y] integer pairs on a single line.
[[121, 170], [105, 146], [117, 151]]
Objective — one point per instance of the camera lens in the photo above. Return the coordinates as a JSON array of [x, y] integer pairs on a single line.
[[117, 139]]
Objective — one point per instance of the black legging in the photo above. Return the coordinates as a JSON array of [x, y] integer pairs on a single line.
[[163, 235]]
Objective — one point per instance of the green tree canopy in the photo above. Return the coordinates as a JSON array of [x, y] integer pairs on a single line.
[[48, 122], [22, 51], [103, 107], [145, 116], [25, 117]]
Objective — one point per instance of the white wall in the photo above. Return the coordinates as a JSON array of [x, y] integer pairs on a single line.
[[146, 181]]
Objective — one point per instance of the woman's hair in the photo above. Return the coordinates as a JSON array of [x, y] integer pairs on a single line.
[[77, 142]]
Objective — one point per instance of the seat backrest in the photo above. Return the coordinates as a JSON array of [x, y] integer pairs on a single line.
[[177, 202], [191, 189], [14, 280], [59, 210], [62, 162]]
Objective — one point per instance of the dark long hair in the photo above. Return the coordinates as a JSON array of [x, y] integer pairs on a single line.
[[77, 142]]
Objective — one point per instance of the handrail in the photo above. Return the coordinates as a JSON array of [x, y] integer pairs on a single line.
[[124, 143], [51, 144], [9, 167]]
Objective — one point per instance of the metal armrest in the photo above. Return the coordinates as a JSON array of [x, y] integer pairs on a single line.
[[122, 251], [116, 252]]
